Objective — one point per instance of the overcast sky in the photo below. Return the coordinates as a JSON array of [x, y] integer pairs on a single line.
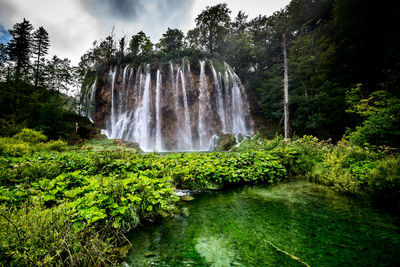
[[73, 25]]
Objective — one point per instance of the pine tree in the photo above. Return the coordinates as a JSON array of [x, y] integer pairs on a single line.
[[19, 47], [40, 46]]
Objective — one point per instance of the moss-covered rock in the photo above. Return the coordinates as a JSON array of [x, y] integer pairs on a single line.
[[226, 142]]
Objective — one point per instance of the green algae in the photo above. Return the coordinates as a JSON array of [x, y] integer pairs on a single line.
[[232, 228]]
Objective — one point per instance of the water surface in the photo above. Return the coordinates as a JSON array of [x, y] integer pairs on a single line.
[[233, 228]]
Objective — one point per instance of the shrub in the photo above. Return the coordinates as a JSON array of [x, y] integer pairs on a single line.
[[384, 180], [55, 145], [30, 136], [10, 147], [35, 236]]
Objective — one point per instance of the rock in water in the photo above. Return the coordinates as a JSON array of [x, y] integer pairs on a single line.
[[118, 142], [187, 198], [226, 142], [148, 254]]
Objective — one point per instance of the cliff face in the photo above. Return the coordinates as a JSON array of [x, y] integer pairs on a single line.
[[171, 106]]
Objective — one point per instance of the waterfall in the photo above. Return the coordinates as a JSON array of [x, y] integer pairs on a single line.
[[172, 108], [240, 107], [143, 116], [220, 101], [188, 132], [204, 100], [158, 112], [88, 103], [123, 89], [112, 74]]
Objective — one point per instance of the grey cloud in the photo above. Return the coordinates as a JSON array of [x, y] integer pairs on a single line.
[[157, 12], [6, 12], [117, 9], [90, 20]]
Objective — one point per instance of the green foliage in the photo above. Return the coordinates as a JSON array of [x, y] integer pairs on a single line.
[[39, 236], [30, 136], [384, 181], [106, 190], [28, 141], [9, 146], [172, 40], [381, 113], [55, 145], [19, 47], [111, 192], [9, 127], [346, 168], [140, 45], [213, 26]]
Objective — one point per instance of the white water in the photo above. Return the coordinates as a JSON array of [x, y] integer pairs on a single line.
[[162, 117], [220, 101], [159, 146], [204, 101], [188, 132]]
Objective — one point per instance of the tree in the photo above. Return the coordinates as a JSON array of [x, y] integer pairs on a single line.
[[140, 44], [60, 74], [213, 24], [19, 46], [193, 38], [40, 46], [381, 114], [171, 40], [121, 50], [239, 25]]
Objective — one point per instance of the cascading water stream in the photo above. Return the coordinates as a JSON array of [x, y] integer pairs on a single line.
[[112, 74], [220, 101], [204, 100], [188, 132], [158, 113], [142, 132]]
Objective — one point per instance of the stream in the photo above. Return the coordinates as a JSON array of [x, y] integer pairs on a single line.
[[289, 224]]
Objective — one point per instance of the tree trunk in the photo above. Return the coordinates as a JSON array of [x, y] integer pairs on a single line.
[[285, 87]]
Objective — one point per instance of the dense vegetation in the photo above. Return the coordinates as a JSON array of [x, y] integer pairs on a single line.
[[75, 206], [96, 197]]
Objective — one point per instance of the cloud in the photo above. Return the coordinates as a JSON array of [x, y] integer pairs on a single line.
[[117, 9], [132, 16], [73, 25]]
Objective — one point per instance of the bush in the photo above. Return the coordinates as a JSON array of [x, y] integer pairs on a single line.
[[35, 236], [55, 145], [10, 147], [30, 136], [384, 180]]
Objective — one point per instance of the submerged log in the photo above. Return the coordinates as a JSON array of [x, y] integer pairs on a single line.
[[288, 254]]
